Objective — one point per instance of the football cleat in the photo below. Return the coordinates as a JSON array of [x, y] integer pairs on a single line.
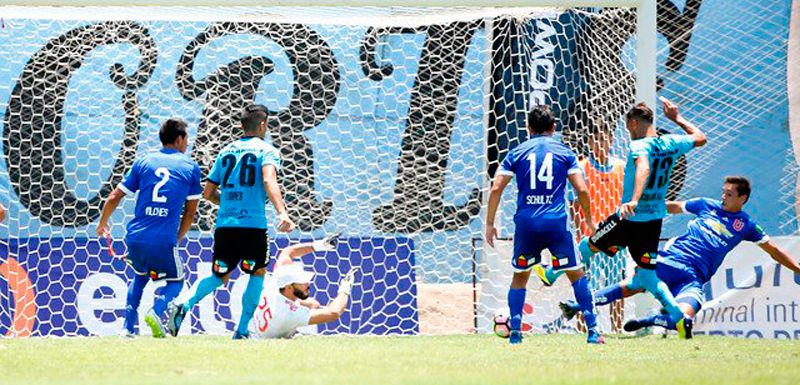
[[632, 325], [595, 337], [684, 327], [515, 337], [175, 315], [569, 309], [240, 336], [152, 320], [541, 272]]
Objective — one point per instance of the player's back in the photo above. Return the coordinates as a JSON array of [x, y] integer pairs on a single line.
[[541, 166], [165, 180], [238, 173], [662, 153], [710, 236]]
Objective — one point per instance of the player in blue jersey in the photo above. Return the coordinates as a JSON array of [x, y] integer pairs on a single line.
[[244, 175], [542, 166], [688, 261], [637, 225], [168, 185]]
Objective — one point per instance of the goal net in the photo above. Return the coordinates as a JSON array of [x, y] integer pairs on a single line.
[[390, 123]]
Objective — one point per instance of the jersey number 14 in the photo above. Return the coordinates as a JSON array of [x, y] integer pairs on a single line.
[[545, 173]]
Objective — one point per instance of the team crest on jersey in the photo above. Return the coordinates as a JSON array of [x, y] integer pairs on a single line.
[[738, 224]]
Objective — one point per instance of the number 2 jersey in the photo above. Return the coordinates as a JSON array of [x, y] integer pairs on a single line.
[[662, 152], [238, 173], [165, 180], [541, 166], [709, 237]]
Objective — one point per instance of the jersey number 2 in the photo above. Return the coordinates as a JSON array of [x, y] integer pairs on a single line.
[[163, 173], [545, 173]]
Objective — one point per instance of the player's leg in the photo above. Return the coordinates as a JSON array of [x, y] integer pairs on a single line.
[[135, 287], [164, 263], [257, 245], [604, 296], [222, 264], [565, 258], [688, 292], [644, 250], [527, 253]]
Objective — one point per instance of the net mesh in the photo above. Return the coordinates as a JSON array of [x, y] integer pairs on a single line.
[[390, 123]]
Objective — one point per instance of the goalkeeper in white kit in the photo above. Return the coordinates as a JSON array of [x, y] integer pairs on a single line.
[[285, 304]]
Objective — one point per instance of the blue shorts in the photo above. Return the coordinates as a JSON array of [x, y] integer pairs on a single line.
[[683, 284], [528, 247], [157, 261]]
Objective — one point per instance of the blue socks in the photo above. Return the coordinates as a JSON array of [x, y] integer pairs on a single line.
[[168, 293], [135, 290], [250, 299], [608, 295], [662, 320], [516, 300], [584, 298], [204, 288], [650, 282]]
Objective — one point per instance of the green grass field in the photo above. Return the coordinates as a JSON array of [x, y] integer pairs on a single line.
[[550, 359]]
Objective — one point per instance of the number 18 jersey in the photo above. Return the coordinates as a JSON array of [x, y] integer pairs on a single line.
[[541, 166], [237, 172]]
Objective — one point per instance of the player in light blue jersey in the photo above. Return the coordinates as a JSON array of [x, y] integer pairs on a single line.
[[244, 175], [637, 225], [688, 261], [542, 166], [168, 185]]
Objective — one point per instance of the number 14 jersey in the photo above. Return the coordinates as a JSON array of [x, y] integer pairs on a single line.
[[541, 166], [237, 172]]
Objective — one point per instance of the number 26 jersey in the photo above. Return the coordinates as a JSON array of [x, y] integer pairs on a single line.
[[238, 173]]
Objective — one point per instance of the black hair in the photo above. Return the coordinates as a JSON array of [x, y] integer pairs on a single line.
[[540, 119], [171, 129], [252, 116]]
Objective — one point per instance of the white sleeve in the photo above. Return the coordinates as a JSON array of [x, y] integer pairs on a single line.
[[300, 317]]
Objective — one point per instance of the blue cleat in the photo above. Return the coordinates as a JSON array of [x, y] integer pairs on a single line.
[[515, 337], [595, 337], [176, 314], [569, 309], [239, 336], [684, 327]]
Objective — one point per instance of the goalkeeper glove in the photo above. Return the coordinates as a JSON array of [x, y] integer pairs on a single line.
[[346, 284]]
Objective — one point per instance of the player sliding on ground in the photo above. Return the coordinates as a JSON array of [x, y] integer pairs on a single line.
[[285, 304], [243, 176], [688, 261], [542, 166], [637, 226], [168, 183]]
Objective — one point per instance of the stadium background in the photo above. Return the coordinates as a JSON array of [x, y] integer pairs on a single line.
[[738, 95]]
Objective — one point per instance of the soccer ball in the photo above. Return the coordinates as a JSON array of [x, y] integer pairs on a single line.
[[502, 326]]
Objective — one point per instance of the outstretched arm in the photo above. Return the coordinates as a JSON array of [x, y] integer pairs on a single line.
[[675, 207], [335, 308], [780, 256], [672, 113], [111, 204]]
